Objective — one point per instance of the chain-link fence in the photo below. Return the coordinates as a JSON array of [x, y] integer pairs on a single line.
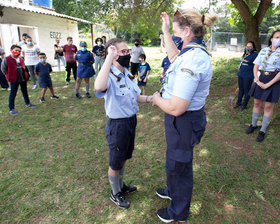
[[227, 41]]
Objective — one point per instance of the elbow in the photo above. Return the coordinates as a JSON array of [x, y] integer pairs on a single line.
[[177, 113], [99, 88]]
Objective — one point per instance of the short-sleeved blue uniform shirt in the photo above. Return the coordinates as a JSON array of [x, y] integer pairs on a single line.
[[43, 71], [143, 69], [98, 50], [120, 96], [85, 68], [273, 62], [189, 77]]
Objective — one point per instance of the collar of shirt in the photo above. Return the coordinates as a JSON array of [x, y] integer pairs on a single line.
[[117, 72], [199, 42]]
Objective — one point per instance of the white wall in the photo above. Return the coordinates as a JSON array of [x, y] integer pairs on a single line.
[[45, 24]]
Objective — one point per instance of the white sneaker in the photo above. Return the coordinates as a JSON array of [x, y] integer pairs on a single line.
[[34, 87]]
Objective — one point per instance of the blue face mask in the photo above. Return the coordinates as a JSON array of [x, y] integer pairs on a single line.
[[83, 48], [178, 41], [30, 43], [42, 60]]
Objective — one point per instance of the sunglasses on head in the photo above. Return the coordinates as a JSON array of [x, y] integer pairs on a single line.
[[178, 13]]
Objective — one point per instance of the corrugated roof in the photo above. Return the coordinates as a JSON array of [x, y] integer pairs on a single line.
[[40, 10]]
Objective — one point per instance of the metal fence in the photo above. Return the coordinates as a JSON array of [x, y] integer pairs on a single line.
[[227, 41]]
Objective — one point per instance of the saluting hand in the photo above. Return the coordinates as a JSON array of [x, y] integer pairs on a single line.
[[112, 52], [165, 22]]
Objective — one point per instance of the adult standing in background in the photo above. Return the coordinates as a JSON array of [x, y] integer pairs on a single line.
[[136, 50], [30, 53], [183, 98], [245, 75], [266, 89], [69, 51], [58, 54], [98, 52]]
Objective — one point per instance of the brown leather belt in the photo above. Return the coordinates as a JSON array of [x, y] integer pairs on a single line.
[[269, 73]]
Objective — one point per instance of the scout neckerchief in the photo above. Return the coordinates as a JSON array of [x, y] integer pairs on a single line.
[[243, 59], [198, 43], [266, 58]]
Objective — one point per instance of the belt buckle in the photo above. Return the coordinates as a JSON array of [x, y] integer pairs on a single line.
[[266, 73]]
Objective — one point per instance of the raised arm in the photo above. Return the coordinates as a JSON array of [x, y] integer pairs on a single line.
[[170, 46], [102, 78]]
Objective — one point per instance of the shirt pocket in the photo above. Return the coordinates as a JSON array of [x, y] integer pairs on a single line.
[[123, 96]]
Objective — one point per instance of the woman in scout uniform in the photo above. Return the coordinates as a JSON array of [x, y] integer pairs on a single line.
[[115, 83], [246, 75], [183, 98], [85, 69], [266, 89]]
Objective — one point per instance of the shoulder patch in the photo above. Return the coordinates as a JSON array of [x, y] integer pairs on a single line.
[[187, 71]]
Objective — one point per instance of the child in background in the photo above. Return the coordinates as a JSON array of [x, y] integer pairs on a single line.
[[143, 72], [165, 65], [98, 52], [3, 81], [85, 69], [14, 69], [43, 70]]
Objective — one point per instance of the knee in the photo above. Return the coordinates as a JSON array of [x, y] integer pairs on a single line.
[[268, 107], [257, 104]]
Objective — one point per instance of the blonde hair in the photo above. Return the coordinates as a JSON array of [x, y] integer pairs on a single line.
[[196, 21]]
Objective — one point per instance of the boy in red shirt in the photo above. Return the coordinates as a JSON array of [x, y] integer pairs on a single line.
[[14, 69], [69, 51]]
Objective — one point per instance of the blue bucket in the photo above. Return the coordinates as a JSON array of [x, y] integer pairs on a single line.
[[45, 3]]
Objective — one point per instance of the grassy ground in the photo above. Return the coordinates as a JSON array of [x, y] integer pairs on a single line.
[[53, 160]]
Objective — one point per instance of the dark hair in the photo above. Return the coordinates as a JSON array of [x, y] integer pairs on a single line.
[[24, 35], [254, 47], [137, 40], [28, 37], [112, 42], [42, 54], [271, 36], [143, 56], [69, 38], [98, 38], [15, 46], [103, 36]]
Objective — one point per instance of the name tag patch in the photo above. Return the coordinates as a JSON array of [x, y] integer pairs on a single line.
[[122, 86]]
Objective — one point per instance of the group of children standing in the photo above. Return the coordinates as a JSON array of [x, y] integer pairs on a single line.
[[26, 61]]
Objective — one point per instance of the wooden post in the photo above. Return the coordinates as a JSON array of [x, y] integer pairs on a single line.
[[92, 42]]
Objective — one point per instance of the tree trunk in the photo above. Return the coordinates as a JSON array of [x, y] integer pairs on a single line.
[[252, 22], [252, 33]]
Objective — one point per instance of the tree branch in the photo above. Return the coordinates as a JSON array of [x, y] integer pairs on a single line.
[[244, 10], [263, 7]]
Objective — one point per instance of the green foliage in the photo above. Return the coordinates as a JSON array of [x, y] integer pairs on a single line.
[[224, 70], [128, 19]]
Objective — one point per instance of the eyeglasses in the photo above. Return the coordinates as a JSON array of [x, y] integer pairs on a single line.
[[125, 51]]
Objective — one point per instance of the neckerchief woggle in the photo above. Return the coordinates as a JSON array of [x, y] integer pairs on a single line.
[[198, 43]]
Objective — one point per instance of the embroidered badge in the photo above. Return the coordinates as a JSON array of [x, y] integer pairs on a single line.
[[187, 71]]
